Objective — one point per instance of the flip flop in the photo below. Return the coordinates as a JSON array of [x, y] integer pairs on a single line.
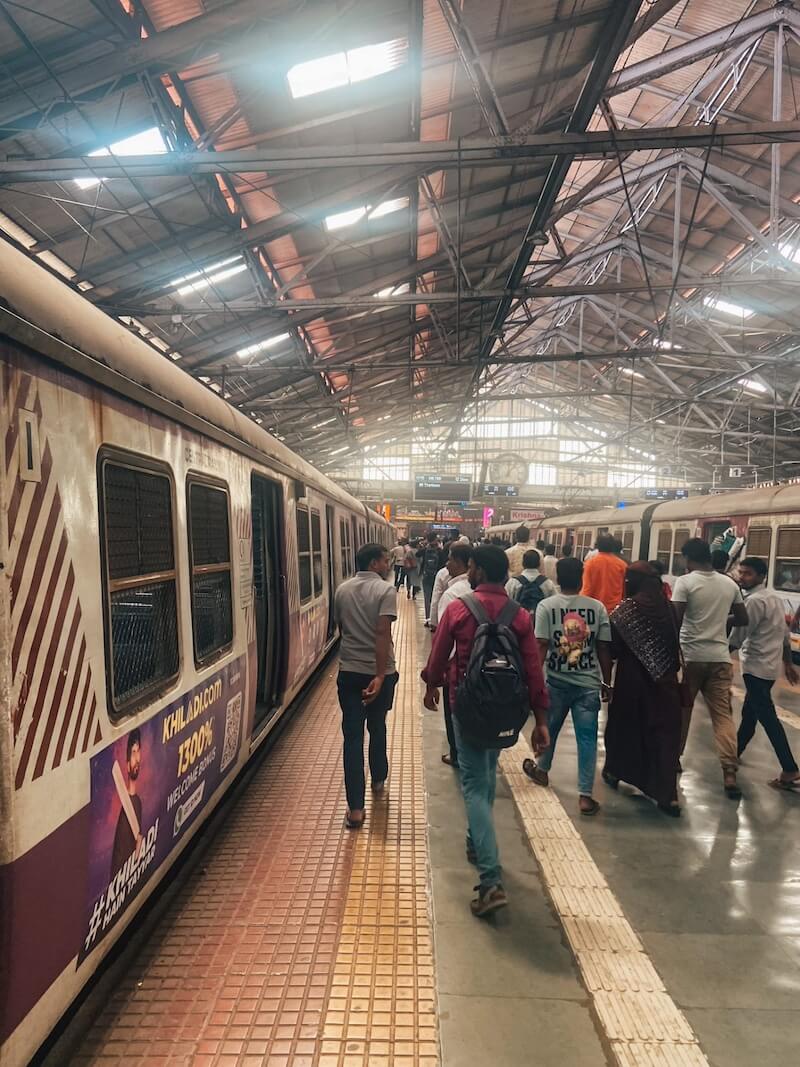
[[785, 787], [354, 824], [593, 810]]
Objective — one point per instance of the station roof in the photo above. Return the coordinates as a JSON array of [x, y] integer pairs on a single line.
[[355, 219]]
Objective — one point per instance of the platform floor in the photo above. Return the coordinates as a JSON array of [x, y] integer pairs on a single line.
[[630, 938]]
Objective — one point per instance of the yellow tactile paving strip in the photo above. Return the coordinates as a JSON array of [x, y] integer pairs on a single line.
[[381, 1011], [644, 1026]]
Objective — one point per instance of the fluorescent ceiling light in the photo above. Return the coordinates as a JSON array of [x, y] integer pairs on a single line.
[[338, 451], [346, 68], [340, 219], [752, 386], [325, 422], [666, 345], [148, 142], [632, 373], [259, 346], [716, 303], [216, 272]]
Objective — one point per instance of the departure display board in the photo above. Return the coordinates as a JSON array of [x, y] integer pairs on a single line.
[[493, 489], [444, 487], [665, 494]]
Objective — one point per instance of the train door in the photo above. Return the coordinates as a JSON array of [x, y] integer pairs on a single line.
[[715, 528], [329, 524], [268, 594]]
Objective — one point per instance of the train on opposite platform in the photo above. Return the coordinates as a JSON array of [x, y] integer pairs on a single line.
[[763, 522], [167, 572]]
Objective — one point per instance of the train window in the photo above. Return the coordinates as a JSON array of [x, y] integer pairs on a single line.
[[316, 547], [759, 542], [344, 547], [304, 554], [210, 563], [787, 561], [627, 545], [678, 562], [664, 547], [140, 582]]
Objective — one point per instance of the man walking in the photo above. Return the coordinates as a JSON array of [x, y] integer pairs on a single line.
[[604, 574], [457, 585], [522, 538], [398, 558], [430, 562], [574, 636], [549, 563], [364, 608], [765, 648], [703, 601], [488, 570], [530, 587]]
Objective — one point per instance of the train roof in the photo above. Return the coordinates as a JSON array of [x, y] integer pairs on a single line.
[[600, 517], [761, 501], [47, 315]]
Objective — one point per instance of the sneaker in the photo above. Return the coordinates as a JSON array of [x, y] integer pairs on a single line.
[[489, 899], [732, 790]]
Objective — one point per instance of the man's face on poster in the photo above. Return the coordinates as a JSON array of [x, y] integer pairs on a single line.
[[134, 761]]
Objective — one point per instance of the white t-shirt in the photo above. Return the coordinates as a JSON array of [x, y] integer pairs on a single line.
[[708, 597], [398, 555]]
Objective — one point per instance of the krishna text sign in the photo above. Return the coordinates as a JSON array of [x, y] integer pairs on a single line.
[[147, 788]]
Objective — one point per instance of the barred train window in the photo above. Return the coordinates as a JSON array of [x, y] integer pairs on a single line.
[[210, 562], [664, 547], [346, 549], [787, 561], [304, 554], [678, 562], [759, 542], [140, 580], [316, 546]]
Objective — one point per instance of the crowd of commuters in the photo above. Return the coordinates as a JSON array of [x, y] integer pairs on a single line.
[[561, 637]]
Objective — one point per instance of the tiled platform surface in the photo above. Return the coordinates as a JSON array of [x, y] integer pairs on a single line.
[[299, 943]]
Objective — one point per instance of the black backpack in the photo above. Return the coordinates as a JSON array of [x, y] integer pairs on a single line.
[[430, 563], [492, 701], [531, 594]]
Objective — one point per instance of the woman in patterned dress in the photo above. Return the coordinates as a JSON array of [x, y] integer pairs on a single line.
[[643, 732]]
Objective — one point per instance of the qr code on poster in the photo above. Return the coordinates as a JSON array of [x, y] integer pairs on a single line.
[[233, 715]]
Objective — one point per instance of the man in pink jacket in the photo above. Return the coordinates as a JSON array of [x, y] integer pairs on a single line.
[[488, 571]]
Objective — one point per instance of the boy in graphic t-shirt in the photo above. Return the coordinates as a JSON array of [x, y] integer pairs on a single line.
[[574, 637]]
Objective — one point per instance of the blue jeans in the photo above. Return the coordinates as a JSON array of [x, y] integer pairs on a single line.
[[478, 767], [585, 707]]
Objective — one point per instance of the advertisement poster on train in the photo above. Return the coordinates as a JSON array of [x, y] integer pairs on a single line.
[[148, 787]]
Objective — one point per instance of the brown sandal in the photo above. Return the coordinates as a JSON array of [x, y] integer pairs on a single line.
[[534, 773], [593, 808]]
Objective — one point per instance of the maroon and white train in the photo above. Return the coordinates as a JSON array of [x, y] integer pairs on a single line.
[[166, 580]]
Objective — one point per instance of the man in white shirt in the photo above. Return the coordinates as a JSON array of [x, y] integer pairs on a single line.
[[398, 556], [439, 586], [764, 651], [457, 586], [549, 563], [531, 576], [522, 538], [703, 601]]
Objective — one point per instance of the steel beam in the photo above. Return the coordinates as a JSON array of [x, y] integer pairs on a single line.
[[425, 155]]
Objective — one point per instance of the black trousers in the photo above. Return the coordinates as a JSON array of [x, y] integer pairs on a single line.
[[427, 590], [758, 707], [448, 725], [355, 713], [399, 575]]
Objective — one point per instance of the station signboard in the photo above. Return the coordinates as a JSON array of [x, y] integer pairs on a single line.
[[443, 487], [524, 515], [494, 489], [654, 493]]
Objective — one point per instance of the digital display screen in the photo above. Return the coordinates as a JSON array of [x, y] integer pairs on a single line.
[[442, 487], [491, 489], [665, 494]]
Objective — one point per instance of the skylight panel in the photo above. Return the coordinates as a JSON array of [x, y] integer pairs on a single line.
[[392, 290], [259, 346], [753, 386], [199, 280], [727, 307], [632, 373], [345, 218], [346, 68], [147, 142], [399, 203]]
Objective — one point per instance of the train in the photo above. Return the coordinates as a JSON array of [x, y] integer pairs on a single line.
[[167, 571], [763, 522]]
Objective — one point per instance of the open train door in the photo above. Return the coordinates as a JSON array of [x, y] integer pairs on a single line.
[[269, 596], [330, 520]]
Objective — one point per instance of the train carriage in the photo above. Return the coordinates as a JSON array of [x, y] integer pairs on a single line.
[[166, 581]]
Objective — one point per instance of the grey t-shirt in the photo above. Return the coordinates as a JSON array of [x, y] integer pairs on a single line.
[[708, 597], [573, 624], [357, 606]]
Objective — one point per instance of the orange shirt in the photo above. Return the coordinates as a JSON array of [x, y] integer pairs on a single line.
[[604, 579]]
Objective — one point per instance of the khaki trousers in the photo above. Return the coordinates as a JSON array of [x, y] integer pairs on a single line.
[[714, 680]]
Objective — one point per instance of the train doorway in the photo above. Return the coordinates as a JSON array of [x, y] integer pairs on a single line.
[[329, 523], [268, 596]]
